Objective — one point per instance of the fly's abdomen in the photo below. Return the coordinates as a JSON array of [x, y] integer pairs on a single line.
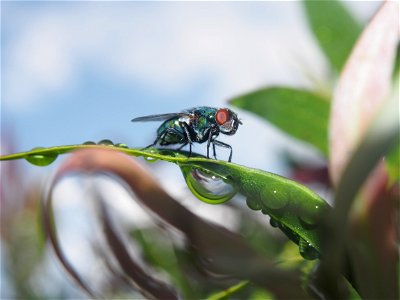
[[171, 132]]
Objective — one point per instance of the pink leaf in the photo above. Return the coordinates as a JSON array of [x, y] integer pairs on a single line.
[[363, 86]]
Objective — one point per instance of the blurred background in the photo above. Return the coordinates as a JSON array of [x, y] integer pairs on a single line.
[[78, 71]]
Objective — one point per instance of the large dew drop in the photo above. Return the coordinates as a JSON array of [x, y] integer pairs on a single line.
[[208, 187], [41, 160], [105, 142]]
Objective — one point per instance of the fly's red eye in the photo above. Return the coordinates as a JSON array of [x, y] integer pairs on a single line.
[[222, 116]]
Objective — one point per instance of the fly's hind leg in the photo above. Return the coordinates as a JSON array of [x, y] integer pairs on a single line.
[[161, 138]]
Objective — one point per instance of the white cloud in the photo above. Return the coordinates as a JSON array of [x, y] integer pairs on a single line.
[[164, 45]]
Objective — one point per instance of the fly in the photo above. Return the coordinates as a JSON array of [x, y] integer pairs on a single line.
[[195, 125]]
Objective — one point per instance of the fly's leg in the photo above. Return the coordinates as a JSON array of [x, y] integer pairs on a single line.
[[218, 143], [161, 137], [188, 139], [214, 152], [208, 145]]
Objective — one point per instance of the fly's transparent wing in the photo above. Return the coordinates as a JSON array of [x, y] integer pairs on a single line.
[[161, 117]]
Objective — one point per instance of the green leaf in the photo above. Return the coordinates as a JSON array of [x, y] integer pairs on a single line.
[[300, 113], [293, 208], [334, 28]]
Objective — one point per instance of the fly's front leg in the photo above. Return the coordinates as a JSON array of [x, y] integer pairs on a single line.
[[215, 142]]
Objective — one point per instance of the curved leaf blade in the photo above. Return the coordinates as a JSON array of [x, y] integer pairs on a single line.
[[300, 113], [289, 203]]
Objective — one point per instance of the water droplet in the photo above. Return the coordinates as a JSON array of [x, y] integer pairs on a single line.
[[273, 198], [106, 142], [307, 250], [89, 143], [273, 222], [41, 159], [150, 159], [208, 187], [121, 145], [253, 204]]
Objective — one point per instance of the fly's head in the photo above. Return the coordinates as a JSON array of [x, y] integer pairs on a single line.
[[227, 121]]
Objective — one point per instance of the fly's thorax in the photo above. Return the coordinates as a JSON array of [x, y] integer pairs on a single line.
[[202, 125]]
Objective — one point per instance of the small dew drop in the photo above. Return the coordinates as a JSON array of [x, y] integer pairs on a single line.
[[41, 160], [253, 204], [106, 142], [89, 143], [273, 222], [307, 251], [208, 187], [273, 198], [121, 145], [150, 159]]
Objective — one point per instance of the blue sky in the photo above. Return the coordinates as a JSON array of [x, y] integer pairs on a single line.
[[77, 71]]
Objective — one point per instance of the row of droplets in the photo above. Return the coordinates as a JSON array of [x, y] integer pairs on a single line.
[[45, 159]]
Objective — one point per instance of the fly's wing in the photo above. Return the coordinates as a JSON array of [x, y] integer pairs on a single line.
[[161, 117]]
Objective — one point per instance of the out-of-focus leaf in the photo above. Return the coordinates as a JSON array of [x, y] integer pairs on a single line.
[[379, 140], [300, 113], [223, 251], [225, 294], [364, 128], [160, 254], [150, 286], [334, 28], [393, 165], [396, 69], [363, 86], [49, 228]]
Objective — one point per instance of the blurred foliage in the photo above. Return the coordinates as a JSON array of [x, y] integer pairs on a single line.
[[393, 165], [300, 113], [335, 29], [255, 261]]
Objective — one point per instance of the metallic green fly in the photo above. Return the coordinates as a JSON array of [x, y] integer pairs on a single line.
[[195, 125]]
